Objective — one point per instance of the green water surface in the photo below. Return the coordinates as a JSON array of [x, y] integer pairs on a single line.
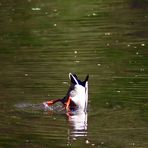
[[42, 41]]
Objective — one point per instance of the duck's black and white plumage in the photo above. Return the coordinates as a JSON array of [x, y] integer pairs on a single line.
[[76, 97]]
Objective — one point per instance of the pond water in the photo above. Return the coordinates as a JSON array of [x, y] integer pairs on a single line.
[[42, 41]]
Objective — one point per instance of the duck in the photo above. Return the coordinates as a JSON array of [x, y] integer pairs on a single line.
[[76, 97]]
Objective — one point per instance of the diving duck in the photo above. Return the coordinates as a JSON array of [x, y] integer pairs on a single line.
[[76, 97]]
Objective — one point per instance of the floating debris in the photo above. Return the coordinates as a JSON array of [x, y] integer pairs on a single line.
[[102, 142], [36, 9], [26, 74], [54, 25], [142, 44], [74, 138], [75, 51], [55, 10], [94, 14], [77, 61], [27, 141], [87, 142], [141, 69], [107, 33], [65, 82]]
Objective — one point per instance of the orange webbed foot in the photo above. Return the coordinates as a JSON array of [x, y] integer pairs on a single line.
[[67, 105]]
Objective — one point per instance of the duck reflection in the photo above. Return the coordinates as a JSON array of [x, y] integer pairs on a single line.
[[78, 123]]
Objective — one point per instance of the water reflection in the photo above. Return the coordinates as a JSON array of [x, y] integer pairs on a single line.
[[77, 119], [78, 122]]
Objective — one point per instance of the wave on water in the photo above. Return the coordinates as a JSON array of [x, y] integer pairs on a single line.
[[56, 108]]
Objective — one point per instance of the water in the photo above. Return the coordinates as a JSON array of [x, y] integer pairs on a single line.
[[42, 41]]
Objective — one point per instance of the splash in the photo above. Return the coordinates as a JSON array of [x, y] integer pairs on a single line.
[[40, 107]]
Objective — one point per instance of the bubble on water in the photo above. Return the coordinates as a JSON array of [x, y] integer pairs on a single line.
[[54, 25], [99, 64]]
